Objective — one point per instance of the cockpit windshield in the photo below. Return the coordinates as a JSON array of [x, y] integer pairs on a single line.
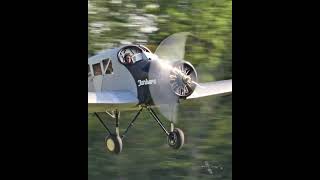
[[132, 54]]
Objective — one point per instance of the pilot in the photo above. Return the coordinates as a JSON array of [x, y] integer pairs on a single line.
[[128, 58]]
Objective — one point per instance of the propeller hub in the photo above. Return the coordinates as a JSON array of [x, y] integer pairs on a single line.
[[186, 79]]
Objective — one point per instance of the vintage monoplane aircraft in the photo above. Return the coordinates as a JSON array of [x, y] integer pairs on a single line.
[[133, 78]]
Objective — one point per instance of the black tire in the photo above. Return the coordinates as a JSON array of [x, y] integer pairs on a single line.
[[113, 144], [176, 139]]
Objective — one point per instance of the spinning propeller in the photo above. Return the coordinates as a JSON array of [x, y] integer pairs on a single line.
[[176, 78]]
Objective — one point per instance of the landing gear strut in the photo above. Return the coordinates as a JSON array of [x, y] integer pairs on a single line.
[[113, 141], [175, 136]]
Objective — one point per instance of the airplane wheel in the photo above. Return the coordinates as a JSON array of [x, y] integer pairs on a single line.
[[113, 144], [176, 138]]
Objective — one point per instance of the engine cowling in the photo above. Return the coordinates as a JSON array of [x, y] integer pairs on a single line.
[[183, 78]]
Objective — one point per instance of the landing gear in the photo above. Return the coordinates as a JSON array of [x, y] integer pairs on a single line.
[[113, 144], [175, 136], [113, 141], [176, 139]]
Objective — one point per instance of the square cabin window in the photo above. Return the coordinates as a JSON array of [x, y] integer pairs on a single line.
[[107, 66], [97, 69]]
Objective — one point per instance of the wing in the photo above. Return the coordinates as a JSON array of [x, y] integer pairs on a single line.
[[112, 97], [212, 88], [110, 100]]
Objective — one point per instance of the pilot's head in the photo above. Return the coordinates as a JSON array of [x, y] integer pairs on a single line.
[[128, 59]]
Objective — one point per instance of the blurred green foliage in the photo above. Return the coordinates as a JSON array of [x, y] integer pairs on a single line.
[[207, 122]]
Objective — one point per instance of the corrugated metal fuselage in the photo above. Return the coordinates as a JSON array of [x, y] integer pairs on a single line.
[[123, 78]]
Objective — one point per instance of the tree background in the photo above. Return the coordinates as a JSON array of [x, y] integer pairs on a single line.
[[207, 122]]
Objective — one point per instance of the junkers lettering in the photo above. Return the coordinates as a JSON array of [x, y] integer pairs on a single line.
[[146, 82]]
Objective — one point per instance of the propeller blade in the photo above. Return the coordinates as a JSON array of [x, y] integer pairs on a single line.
[[173, 47], [171, 79]]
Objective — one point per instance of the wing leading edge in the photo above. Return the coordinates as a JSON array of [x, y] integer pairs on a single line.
[[97, 101], [212, 88]]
